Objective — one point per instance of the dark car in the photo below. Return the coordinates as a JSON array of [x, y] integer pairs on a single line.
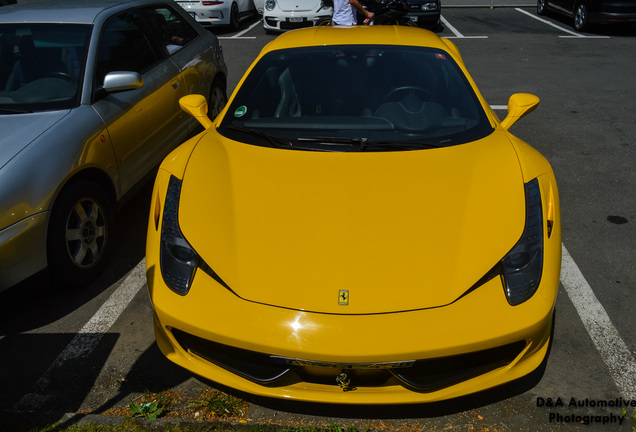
[[588, 12], [426, 13]]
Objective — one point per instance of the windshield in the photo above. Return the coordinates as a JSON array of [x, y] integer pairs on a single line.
[[41, 66], [356, 97]]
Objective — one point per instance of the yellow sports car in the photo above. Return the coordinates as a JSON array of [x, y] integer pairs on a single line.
[[357, 226]]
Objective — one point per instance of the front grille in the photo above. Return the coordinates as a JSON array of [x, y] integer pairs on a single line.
[[442, 372], [424, 375], [252, 365], [286, 25]]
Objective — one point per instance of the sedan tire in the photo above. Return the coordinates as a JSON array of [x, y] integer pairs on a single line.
[[581, 22], [542, 7], [235, 17], [218, 98], [79, 234]]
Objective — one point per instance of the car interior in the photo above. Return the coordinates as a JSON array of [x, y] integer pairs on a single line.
[[361, 89]]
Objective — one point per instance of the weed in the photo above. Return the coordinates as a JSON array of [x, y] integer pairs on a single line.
[[217, 404], [630, 418], [151, 405]]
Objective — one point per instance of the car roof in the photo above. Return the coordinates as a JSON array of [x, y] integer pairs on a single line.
[[65, 11], [360, 35]]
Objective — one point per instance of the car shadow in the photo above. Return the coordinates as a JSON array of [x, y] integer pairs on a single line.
[[152, 372], [36, 302]]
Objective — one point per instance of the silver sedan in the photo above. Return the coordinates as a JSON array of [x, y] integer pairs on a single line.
[[89, 95]]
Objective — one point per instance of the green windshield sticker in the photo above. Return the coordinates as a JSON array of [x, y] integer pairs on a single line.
[[240, 111]]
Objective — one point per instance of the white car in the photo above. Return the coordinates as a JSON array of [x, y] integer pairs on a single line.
[[259, 5], [219, 12], [281, 15]]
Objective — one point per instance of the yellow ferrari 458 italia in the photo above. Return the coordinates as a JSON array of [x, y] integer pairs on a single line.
[[357, 226]]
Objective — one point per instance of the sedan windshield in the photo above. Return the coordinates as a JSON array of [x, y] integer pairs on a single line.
[[41, 66], [356, 98]]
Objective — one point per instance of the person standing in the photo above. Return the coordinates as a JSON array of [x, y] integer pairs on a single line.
[[344, 12]]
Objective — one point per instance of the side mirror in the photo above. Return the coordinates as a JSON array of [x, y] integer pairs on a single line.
[[122, 81], [519, 105], [197, 107]]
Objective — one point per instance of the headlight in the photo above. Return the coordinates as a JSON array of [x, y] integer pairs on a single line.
[[429, 6], [179, 260], [523, 265], [270, 4]]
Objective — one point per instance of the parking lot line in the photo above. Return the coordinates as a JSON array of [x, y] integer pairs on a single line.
[[613, 350], [571, 34], [239, 35], [89, 336], [456, 32]]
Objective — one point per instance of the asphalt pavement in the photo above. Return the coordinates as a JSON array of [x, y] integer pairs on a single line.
[[543, 125]]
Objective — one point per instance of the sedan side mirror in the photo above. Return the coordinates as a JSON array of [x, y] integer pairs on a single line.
[[197, 107], [122, 81], [519, 105]]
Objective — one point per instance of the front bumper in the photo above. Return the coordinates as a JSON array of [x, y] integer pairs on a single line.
[[284, 22], [232, 341], [425, 19], [213, 17], [22, 250]]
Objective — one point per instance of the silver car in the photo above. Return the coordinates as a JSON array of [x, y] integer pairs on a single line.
[[89, 93], [220, 12]]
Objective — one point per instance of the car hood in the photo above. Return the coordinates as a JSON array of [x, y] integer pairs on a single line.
[[298, 5], [398, 230], [19, 130]]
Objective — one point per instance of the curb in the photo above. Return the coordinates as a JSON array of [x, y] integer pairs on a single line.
[[31, 419]]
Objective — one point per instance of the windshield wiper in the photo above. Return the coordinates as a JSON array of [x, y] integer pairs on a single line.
[[364, 143], [273, 140]]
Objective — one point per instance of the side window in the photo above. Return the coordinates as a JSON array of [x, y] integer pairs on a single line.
[[171, 29], [124, 47]]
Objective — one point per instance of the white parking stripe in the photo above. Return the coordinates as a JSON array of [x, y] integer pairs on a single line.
[[456, 32], [613, 350], [89, 336], [240, 34], [563, 29]]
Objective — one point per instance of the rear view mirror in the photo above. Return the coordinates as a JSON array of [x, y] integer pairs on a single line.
[[197, 107], [519, 105], [122, 81]]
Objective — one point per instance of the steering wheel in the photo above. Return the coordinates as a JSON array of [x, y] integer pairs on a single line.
[[396, 94], [63, 75]]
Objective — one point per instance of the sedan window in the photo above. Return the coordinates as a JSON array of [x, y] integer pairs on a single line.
[[125, 47], [171, 29], [41, 66]]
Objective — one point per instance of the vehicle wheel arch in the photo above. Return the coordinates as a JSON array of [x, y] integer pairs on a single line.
[[90, 179], [219, 80], [96, 175]]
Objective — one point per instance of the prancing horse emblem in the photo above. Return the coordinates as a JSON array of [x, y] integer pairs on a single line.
[[343, 298]]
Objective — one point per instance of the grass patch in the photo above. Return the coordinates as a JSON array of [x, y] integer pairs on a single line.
[[213, 404], [132, 425]]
